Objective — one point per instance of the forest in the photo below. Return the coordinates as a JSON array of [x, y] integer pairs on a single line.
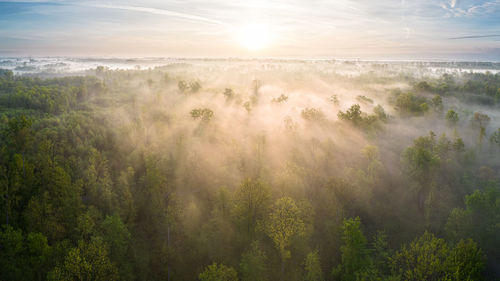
[[251, 170]]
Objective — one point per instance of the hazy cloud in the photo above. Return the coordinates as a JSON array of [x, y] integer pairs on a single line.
[[475, 36]]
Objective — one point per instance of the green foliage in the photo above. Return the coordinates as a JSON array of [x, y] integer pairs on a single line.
[[18, 132], [409, 104], [481, 83], [87, 223], [381, 253], [12, 265], [285, 222], [54, 96], [39, 254], [219, 272], [183, 86], [481, 119], [427, 153], [16, 174], [280, 99], [23, 257], [313, 114], [87, 261], [253, 265], [422, 86], [252, 203], [426, 162], [229, 93], [98, 186], [356, 261], [155, 221], [466, 261], [421, 157], [218, 233], [479, 220], [357, 117], [452, 117], [495, 137], [313, 267], [472, 87], [430, 258], [100, 179], [353, 114], [118, 238], [437, 103], [335, 100], [54, 213], [116, 235], [205, 114], [423, 259], [379, 111], [192, 87], [248, 106], [364, 99]]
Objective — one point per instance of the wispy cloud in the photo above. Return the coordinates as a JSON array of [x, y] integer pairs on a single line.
[[156, 11], [458, 9], [475, 36]]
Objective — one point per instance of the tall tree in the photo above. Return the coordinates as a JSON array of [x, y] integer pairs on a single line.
[[19, 135], [87, 261], [115, 234], [313, 267], [285, 221], [253, 265], [356, 261], [219, 272], [12, 264], [252, 202], [39, 254], [16, 140], [430, 258], [479, 220]]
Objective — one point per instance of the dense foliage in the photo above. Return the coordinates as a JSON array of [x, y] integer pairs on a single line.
[[139, 175]]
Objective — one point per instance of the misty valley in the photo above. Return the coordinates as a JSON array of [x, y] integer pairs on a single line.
[[251, 170]]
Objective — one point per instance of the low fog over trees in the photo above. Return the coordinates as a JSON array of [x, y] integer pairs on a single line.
[[250, 170]]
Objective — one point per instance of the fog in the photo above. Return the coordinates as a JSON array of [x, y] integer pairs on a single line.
[[398, 144], [78, 65], [251, 134]]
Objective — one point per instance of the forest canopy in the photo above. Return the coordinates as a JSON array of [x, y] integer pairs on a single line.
[[291, 171]]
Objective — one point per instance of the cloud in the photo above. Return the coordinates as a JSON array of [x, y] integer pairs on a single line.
[[475, 36], [456, 9], [156, 11], [299, 28]]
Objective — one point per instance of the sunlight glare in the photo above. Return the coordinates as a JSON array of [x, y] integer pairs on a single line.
[[254, 36]]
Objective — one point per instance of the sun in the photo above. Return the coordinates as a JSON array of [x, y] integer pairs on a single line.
[[254, 36]]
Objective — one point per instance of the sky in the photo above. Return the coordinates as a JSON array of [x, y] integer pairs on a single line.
[[364, 29]]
